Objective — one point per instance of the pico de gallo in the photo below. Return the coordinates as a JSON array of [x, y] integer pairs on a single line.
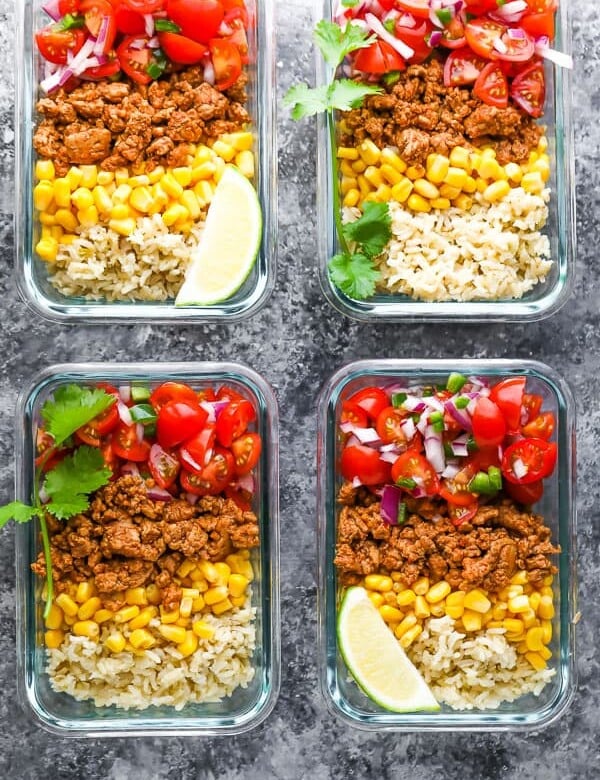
[[462, 444]]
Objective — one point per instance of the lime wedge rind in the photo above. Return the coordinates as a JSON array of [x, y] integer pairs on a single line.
[[375, 659], [229, 244]]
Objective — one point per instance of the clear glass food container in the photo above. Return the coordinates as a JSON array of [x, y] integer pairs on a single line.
[[544, 298], [344, 698], [31, 272], [246, 707]]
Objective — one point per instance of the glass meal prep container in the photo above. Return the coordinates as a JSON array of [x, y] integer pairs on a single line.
[[557, 507], [247, 706], [32, 272], [545, 297]]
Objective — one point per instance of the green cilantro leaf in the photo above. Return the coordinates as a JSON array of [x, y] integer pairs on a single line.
[[354, 275], [336, 43], [72, 479], [372, 230], [305, 101], [345, 94], [350, 3], [17, 511], [71, 407]]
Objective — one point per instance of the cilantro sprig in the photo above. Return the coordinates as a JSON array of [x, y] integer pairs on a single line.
[[352, 270], [66, 486]]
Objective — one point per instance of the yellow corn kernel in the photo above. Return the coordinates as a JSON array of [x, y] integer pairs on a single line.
[[518, 604], [534, 600], [73, 176], [66, 219], [533, 157], [141, 199], [546, 608], [151, 177], [70, 620], [398, 579], [68, 238], [175, 634], [496, 191], [456, 177], [438, 610], [390, 598], [54, 638], [390, 614], [426, 189], [376, 598], [513, 625], [66, 603], [198, 604], [203, 630], [373, 176], [224, 572], [141, 639], [115, 642], [189, 644], [205, 170], [547, 591], [491, 169], [102, 615], [89, 608], [363, 185], [43, 195], [390, 174], [122, 193], [145, 616], [477, 601], [185, 608], [46, 231], [183, 175], [460, 158], [225, 151], [121, 176], [245, 568], [542, 145], [166, 616], [47, 249], [56, 232], [359, 166], [418, 203], [438, 592], [405, 598], [153, 594], [369, 152], [47, 218], [520, 578], [378, 582], [347, 183], [208, 570], [415, 172], [536, 660], [44, 169], [202, 154], [513, 172], [86, 628], [421, 607], [198, 581], [184, 622], [234, 561], [545, 652], [124, 227], [471, 620], [238, 601], [175, 213], [346, 169], [237, 584], [410, 636], [222, 606], [407, 623], [440, 203], [88, 217], [62, 192], [421, 586], [402, 190], [102, 199], [383, 193], [55, 617], [499, 610], [347, 153], [455, 604], [534, 638], [82, 198], [105, 177], [215, 594], [243, 140], [390, 157], [546, 626], [136, 596], [171, 186], [190, 202], [125, 614], [447, 191], [437, 168], [532, 183], [351, 198]]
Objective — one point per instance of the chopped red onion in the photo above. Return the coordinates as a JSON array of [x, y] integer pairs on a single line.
[[124, 413], [191, 498], [558, 57], [79, 62], [418, 492], [510, 9], [459, 415], [388, 457], [52, 9], [392, 14], [367, 435], [459, 449], [158, 494], [154, 43], [374, 24], [391, 447], [245, 482], [139, 43], [435, 38], [139, 432], [57, 79], [434, 449], [218, 406], [352, 441], [516, 34], [433, 403], [43, 495], [356, 482], [422, 425], [208, 455], [125, 393], [413, 404], [407, 20], [451, 470], [148, 25], [130, 468], [100, 44], [347, 427], [500, 46], [209, 72], [390, 501], [225, 30], [210, 410], [519, 468], [408, 428]]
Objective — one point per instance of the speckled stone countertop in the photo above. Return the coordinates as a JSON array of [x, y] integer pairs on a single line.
[[296, 342]]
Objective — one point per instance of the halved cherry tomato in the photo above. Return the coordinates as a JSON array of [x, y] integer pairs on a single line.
[[379, 57], [462, 514], [109, 68], [47, 454], [206, 394], [372, 400], [218, 472], [54, 45], [198, 19], [528, 89], [363, 463], [541, 6], [98, 15], [541, 427], [525, 494], [172, 391], [453, 34], [492, 86], [389, 425], [539, 24], [351, 413], [163, 466], [418, 8], [125, 444], [192, 483], [178, 421], [240, 497], [417, 38], [480, 7], [178, 48], [129, 22], [145, 6], [462, 66], [226, 61], [489, 427], [413, 465], [481, 34], [226, 393], [111, 460], [246, 452], [233, 421], [531, 407], [536, 457], [68, 7], [135, 61], [455, 491], [197, 451], [516, 49], [508, 396]]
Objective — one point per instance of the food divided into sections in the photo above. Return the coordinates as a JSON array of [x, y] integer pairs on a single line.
[[142, 107], [435, 523]]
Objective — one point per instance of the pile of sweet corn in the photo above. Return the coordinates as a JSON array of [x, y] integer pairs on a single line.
[[372, 174], [88, 196], [524, 612], [143, 623]]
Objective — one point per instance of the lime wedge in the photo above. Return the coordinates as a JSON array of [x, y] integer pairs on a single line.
[[376, 660], [229, 244]]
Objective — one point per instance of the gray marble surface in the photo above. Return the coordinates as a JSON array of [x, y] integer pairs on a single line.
[[296, 342]]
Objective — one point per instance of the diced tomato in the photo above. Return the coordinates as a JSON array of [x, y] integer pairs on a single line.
[[226, 61], [516, 49], [135, 61], [541, 427], [525, 494], [172, 391], [99, 16], [227, 393], [111, 460], [351, 413], [489, 426], [492, 86], [462, 514], [372, 400], [379, 58], [125, 444], [528, 90], [480, 7], [462, 67], [178, 421], [163, 466], [542, 6], [100, 426], [389, 425], [109, 68], [55, 44], [363, 463], [129, 22], [218, 472], [198, 19], [528, 460], [68, 7], [180, 49], [417, 38], [206, 394], [411, 465], [240, 497], [419, 8], [508, 396], [246, 452], [481, 34], [538, 25], [531, 407], [145, 6], [197, 451], [233, 421]]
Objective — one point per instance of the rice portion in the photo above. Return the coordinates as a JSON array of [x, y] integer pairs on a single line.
[[491, 252], [86, 669], [475, 672], [148, 265]]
